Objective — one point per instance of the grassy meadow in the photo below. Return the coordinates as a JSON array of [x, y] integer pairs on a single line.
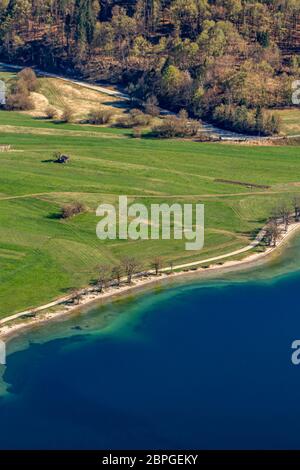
[[290, 120], [43, 256]]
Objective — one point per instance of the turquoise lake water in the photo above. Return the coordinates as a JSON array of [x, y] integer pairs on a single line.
[[199, 365]]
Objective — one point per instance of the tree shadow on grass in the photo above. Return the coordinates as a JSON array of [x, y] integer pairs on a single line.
[[252, 234], [54, 216], [50, 160]]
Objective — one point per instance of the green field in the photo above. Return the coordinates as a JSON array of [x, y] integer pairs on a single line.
[[43, 257], [290, 120]]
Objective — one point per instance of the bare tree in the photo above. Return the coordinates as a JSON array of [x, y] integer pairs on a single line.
[[152, 106], [51, 112], [117, 273], [130, 266], [284, 214], [30, 78], [296, 205], [76, 295], [68, 114], [272, 233], [156, 264], [104, 276]]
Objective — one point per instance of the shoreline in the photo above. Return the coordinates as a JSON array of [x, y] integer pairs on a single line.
[[14, 325]]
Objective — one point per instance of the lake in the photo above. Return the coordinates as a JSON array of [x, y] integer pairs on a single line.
[[200, 365]]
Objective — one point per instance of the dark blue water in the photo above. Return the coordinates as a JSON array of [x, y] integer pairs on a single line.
[[198, 366]]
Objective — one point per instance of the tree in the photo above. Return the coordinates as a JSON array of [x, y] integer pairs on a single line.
[[124, 28], [147, 14], [152, 106], [85, 21], [189, 15], [156, 264], [272, 233], [296, 204], [69, 210], [130, 266], [104, 276], [29, 77], [259, 120], [117, 272], [177, 126], [284, 213], [177, 86]]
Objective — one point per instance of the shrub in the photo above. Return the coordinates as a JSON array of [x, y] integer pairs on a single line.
[[135, 118], [51, 112], [177, 126], [100, 116], [19, 102], [68, 114], [20, 87], [151, 106], [29, 77], [61, 158], [69, 210]]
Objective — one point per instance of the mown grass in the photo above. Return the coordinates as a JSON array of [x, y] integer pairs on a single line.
[[13, 118], [290, 120], [43, 257]]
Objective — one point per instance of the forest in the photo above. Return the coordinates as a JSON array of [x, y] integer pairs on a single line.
[[227, 61]]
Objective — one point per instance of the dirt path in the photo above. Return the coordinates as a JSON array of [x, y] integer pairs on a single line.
[[7, 330], [252, 245]]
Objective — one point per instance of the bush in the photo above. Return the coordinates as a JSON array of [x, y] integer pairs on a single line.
[[19, 102], [135, 118], [100, 116], [51, 112], [20, 87], [151, 106], [68, 114], [177, 126], [69, 210], [29, 77]]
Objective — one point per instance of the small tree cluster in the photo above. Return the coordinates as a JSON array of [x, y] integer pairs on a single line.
[[128, 267], [242, 119], [272, 233], [19, 102], [70, 210], [30, 79], [100, 116], [135, 118], [177, 126], [281, 215], [19, 97]]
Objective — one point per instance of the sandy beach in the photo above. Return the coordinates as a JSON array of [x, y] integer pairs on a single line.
[[13, 325]]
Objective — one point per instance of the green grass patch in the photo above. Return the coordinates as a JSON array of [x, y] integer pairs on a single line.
[[43, 257]]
